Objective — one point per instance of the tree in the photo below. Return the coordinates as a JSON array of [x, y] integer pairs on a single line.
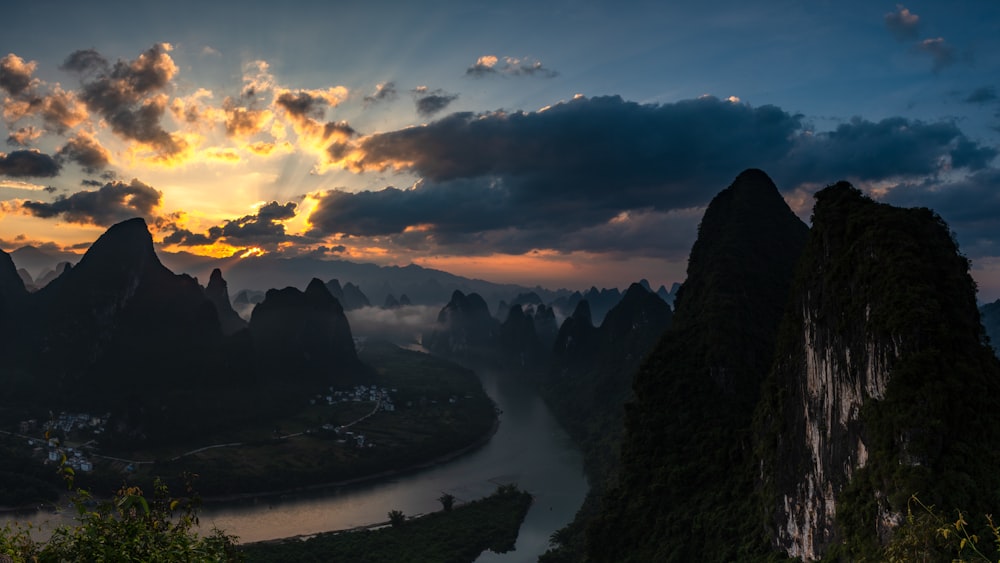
[[447, 501], [396, 518], [129, 527]]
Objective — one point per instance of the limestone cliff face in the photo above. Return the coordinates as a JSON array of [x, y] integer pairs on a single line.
[[856, 406]]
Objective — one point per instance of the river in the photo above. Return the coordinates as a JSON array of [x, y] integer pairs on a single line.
[[529, 449]]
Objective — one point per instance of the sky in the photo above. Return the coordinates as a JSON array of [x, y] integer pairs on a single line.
[[565, 143]]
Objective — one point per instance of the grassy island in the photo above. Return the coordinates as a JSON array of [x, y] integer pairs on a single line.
[[458, 535]]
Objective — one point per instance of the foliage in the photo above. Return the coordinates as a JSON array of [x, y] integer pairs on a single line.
[[129, 527], [926, 535], [447, 501], [456, 536], [396, 518]]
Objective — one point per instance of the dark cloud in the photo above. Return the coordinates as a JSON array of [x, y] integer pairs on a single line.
[[302, 104], [125, 94], [184, 237], [870, 151], [28, 163], [263, 228], [903, 23], [970, 205], [86, 61], [431, 102], [15, 74], [383, 93], [983, 95], [112, 203], [600, 173], [50, 189], [92, 183], [941, 52], [86, 151]]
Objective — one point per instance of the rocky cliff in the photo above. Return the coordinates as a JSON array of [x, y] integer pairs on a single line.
[[217, 292], [881, 383]]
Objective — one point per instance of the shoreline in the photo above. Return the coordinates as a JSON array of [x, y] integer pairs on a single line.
[[479, 442]]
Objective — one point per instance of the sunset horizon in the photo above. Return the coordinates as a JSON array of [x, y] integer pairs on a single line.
[[582, 155]]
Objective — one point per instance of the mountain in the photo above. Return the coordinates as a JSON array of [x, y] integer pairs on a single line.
[[12, 290], [350, 296], [882, 386], [37, 261], [121, 333], [217, 292], [464, 329], [588, 383], [686, 479], [990, 314], [303, 339], [423, 286]]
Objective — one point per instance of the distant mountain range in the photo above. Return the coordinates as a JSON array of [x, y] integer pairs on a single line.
[[375, 284]]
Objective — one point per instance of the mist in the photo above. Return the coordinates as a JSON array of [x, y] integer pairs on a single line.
[[401, 326]]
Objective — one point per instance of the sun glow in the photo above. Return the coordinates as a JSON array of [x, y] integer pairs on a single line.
[[252, 251]]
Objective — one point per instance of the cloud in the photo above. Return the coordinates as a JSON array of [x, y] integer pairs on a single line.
[[429, 102], [970, 205], [491, 65], [112, 203], [903, 23], [982, 95], [128, 94], [23, 136], [301, 104], [383, 93], [264, 228], [244, 122], [85, 150], [59, 109], [15, 74], [483, 66], [864, 150], [594, 174], [941, 52], [28, 163]]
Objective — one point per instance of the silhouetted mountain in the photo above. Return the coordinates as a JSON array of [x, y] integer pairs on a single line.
[[303, 338], [390, 302], [686, 471], [217, 292], [990, 314], [546, 327], [519, 345], [37, 261], [349, 296], [248, 297], [49, 275], [404, 301], [590, 380], [26, 279], [882, 387], [12, 290], [465, 329], [121, 333]]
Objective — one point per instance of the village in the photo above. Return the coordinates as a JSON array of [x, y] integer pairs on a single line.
[[50, 440]]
